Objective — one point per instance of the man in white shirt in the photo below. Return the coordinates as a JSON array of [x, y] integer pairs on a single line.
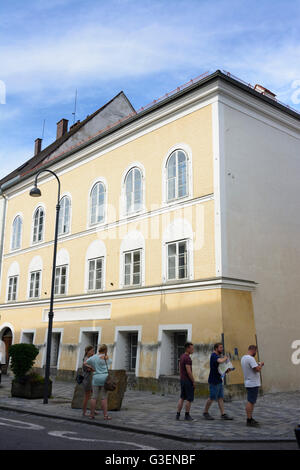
[[251, 370]]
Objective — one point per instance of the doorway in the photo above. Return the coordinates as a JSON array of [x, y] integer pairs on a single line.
[[7, 338]]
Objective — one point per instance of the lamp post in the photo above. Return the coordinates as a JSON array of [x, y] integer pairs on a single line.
[[36, 192]]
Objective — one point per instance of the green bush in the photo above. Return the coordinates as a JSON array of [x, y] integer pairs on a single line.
[[22, 358]]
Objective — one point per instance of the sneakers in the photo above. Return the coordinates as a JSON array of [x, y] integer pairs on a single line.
[[226, 417], [189, 418], [252, 422], [208, 416]]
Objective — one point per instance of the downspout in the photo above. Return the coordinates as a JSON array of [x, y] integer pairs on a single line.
[[2, 232]]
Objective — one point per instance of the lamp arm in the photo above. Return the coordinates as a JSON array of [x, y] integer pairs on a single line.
[[52, 173]]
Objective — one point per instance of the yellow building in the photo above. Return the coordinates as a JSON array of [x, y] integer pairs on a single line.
[[140, 261]]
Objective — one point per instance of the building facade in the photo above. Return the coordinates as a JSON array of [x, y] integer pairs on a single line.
[[171, 229]]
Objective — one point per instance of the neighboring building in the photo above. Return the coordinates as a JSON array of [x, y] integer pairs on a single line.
[[178, 222]]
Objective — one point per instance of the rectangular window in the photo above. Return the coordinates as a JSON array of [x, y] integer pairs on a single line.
[[12, 288], [27, 338], [95, 274], [55, 344], [177, 260], [34, 287], [132, 349], [132, 268], [179, 340], [60, 285]]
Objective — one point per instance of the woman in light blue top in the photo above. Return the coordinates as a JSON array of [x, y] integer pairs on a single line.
[[99, 362]]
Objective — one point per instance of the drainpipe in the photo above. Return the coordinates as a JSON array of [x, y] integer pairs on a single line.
[[2, 231]]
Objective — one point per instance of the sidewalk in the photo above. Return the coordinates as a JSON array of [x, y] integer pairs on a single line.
[[148, 413]]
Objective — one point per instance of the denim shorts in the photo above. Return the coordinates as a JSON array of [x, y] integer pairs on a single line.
[[187, 390], [216, 391], [252, 394]]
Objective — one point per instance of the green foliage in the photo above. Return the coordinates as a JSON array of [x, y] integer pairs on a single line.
[[22, 358]]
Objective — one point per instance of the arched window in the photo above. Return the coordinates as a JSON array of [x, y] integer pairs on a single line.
[[16, 233], [133, 190], [64, 215], [97, 200], [177, 175], [38, 225]]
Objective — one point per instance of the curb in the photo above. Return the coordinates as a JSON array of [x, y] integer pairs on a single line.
[[173, 437]]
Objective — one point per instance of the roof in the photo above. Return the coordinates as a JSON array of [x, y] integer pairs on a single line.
[[32, 165], [34, 161]]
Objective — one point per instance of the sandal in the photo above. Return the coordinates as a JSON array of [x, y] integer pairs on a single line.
[[91, 417], [107, 417]]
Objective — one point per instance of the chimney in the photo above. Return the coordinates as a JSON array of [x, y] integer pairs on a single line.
[[37, 146], [62, 128], [264, 91]]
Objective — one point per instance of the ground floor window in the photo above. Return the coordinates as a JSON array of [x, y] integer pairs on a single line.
[[132, 344], [27, 337], [126, 353], [179, 340], [55, 346]]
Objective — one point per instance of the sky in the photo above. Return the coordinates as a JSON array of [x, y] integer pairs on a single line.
[[50, 49]]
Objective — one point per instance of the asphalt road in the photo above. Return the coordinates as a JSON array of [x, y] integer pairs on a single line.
[[21, 431]]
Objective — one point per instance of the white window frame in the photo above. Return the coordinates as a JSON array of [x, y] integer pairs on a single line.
[[132, 210], [17, 286], [59, 267], [133, 240], [117, 354], [124, 213], [102, 222], [34, 289], [54, 330], [13, 271], [131, 253], [65, 196], [178, 230], [94, 289], [161, 351], [176, 243], [39, 206], [87, 329], [96, 249], [24, 332], [188, 151], [13, 236]]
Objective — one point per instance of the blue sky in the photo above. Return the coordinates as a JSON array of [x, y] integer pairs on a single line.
[[48, 49]]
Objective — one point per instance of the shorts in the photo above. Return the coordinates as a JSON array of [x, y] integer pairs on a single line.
[[99, 390], [252, 394], [187, 390], [216, 391]]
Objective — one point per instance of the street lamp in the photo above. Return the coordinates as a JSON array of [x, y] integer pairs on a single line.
[[36, 192]]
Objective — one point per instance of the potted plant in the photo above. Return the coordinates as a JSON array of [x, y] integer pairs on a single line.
[[26, 384]]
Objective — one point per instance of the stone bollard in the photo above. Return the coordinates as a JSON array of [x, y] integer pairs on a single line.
[[115, 398]]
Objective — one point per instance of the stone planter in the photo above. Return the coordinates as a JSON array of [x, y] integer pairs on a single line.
[[115, 398], [29, 389]]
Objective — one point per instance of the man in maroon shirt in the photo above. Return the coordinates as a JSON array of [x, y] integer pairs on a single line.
[[187, 382]]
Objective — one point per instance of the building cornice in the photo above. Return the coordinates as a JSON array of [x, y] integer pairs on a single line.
[[195, 285]]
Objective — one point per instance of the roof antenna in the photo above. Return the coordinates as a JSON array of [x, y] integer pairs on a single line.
[[74, 113], [43, 128]]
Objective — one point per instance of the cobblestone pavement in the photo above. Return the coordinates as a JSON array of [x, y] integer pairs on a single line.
[[145, 412]]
